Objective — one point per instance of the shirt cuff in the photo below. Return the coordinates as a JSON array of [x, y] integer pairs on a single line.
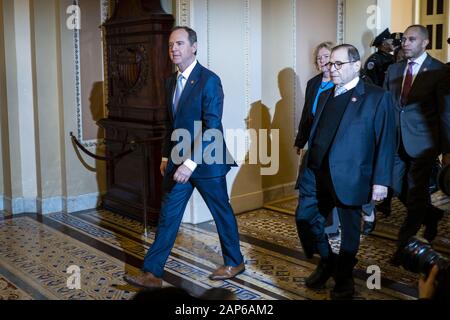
[[190, 164], [164, 159]]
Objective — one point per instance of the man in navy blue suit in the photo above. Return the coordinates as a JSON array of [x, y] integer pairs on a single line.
[[195, 103], [349, 162]]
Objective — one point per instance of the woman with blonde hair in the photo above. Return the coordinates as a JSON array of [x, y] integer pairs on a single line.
[[314, 88]]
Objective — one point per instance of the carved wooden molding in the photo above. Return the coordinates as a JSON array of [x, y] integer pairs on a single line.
[[129, 65], [294, 66], [208, 35], [247, 45], [340, 22], [105, 5], [76, 39], [184, 12]]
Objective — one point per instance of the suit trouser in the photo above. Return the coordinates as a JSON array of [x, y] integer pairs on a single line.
[[214, 193], [411, 185], [367, 210], [334, 226], [316, 201]]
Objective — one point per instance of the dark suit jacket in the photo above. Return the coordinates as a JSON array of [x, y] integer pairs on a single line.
[[424, 123], [201, 102], [362, 152], [304, 127]]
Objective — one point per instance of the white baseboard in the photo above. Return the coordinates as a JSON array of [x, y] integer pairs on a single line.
[[241, 203], [247, 202], [81, 203], [279, 192], [50, 205], [197, 212], [21, 205]]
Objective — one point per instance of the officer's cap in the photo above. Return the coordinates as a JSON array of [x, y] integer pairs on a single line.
[[386, 34], [397, 36]]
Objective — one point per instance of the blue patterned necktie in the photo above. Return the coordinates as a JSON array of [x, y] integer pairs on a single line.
[[339, 91], [178, 92]]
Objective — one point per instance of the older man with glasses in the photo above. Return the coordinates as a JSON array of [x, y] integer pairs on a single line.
[[349, 163]]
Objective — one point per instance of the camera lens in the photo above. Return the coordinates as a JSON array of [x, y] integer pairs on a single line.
[[418, 256]]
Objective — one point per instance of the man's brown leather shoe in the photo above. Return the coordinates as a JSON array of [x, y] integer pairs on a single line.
[[144, 280], [227, 272]]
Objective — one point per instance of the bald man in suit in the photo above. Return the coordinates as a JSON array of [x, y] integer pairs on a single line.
[[421, 88]]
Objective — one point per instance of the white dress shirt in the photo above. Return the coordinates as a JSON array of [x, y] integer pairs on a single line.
[[350, 85], [186, 73], [416, 67]]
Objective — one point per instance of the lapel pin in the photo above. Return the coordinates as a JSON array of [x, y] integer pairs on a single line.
[[354, 99], [192, 82], [425, 69]]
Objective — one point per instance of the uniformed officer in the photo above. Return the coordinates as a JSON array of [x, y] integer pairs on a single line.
[[397, 43], [377, 64]]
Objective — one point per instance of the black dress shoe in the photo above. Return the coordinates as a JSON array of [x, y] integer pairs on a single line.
[[431, 231], [320, 276], [386, 211], [343, 290], [368, 227], [437, 213], [431, 224], [344, 287]]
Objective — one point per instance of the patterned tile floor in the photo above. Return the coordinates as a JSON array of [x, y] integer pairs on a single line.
[[35, 253], [387, 227]]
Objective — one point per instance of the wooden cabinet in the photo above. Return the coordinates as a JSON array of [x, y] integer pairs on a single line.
[[136, 44]]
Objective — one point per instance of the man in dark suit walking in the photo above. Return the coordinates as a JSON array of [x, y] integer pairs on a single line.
[[421, 89], [195, 100], [349, 162]]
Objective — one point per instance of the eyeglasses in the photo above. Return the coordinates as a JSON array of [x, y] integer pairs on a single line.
[[338, 64]]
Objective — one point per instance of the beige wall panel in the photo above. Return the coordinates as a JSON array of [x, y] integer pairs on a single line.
[[279, 80], [20, 105], [3, 113], [402, 15], [91, 69], [225, 48], [80, 174], [358, 26], [47, 98]]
